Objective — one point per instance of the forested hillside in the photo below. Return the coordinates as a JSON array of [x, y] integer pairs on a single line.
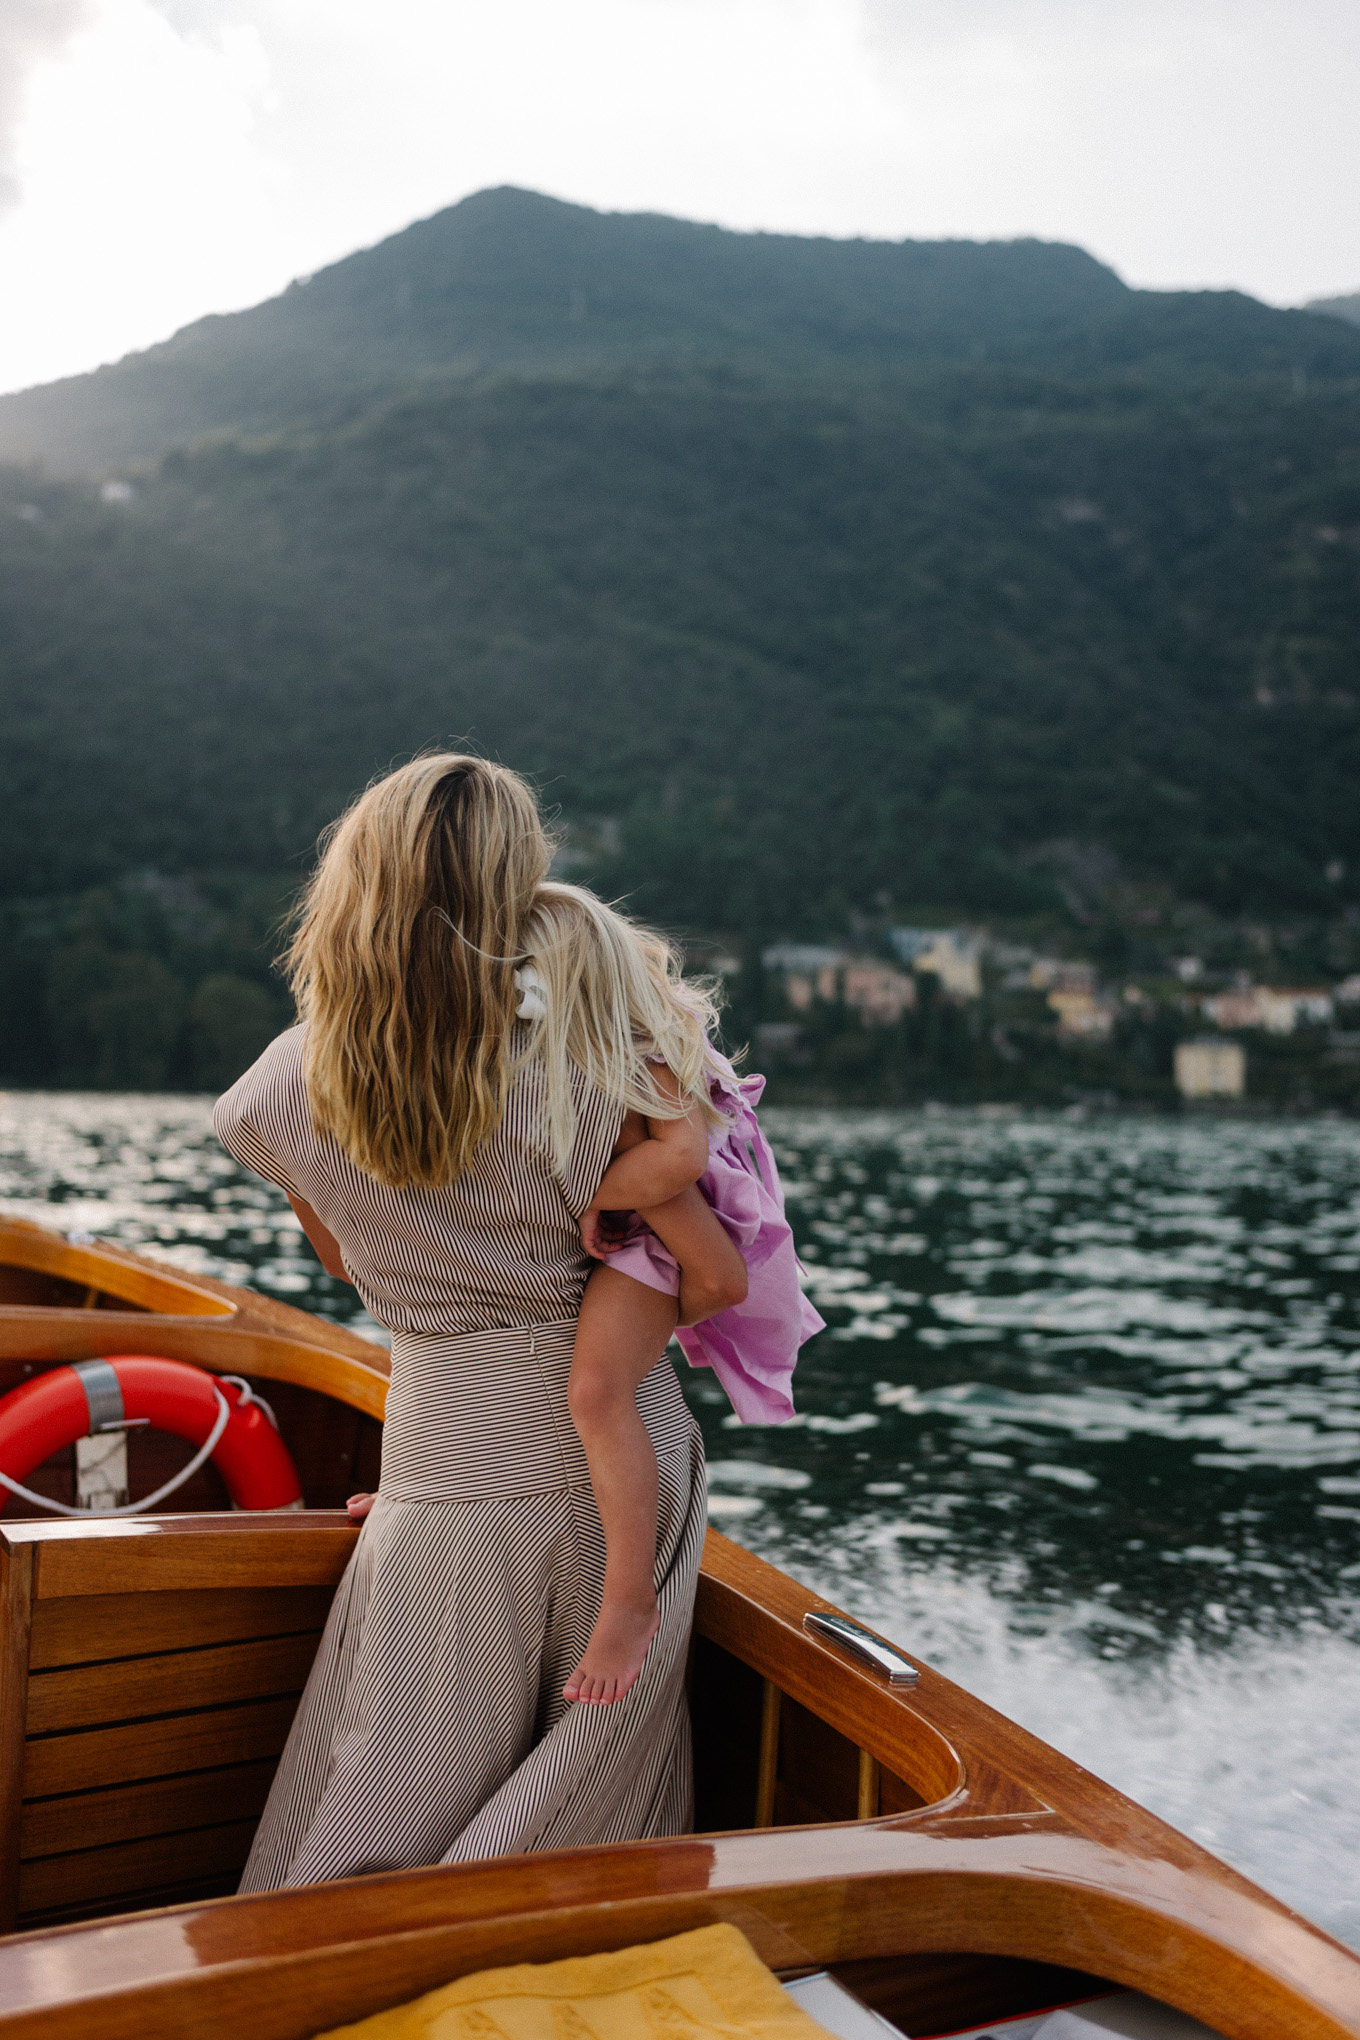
[[808, 577]]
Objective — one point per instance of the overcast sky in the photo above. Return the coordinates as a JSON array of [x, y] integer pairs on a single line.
[[164, 158]]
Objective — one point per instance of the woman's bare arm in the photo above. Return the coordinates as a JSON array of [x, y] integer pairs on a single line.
[[326, 1245]]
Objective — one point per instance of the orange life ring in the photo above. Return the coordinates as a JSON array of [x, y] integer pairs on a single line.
[[220, 1414]]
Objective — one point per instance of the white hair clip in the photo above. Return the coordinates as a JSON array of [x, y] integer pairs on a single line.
[[533, 1003]]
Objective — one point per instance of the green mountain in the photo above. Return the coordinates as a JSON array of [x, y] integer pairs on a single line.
[[1339, 307], [808, 576], [509, 280]]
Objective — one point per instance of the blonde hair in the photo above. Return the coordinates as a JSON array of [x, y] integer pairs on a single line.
[[403, 964], [431, 890], [616, 1006]]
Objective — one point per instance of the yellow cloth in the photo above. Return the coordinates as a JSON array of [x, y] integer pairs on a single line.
[[710, 1982]]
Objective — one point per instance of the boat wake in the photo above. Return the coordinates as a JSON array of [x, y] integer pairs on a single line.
[[1248, 1747]]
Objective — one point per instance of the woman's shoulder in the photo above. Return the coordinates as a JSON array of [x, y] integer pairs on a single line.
[[279, 1068], [272, 1092]]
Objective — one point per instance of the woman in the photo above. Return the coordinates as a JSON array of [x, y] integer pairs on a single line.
[[443, 1167]]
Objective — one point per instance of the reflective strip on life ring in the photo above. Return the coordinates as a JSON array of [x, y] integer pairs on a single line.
[[41, 1416]]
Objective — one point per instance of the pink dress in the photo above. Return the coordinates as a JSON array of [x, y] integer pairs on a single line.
[[753, 1346]]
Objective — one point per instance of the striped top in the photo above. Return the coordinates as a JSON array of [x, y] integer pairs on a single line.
[[498, 1248]]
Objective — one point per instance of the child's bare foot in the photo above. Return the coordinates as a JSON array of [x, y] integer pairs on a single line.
[[615, 1653], [358, 1506]]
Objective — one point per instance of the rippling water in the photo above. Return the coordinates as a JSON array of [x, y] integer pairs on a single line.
[[1084, 1428]]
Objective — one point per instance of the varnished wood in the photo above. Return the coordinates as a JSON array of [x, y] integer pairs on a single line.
[[180, 1317], [768, 1634], [868, 1786], [769, 1755], [164, 1554], [895, 1795], [278, 1967], [90, 1628], [129, 1868], [86, 1696], [158, 1806], [819, 1769], [92, 1267], [173, 1743], [16, 1610]]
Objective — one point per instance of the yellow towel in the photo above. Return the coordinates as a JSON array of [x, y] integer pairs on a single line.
[[710, 1982]]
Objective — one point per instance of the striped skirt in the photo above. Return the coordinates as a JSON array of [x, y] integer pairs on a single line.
[[433, 1727]]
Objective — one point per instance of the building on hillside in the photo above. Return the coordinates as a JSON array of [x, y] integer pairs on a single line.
[[877, 991], [1210, 1068], [1313, 1006], [807, 971], [1279, 1010], [1232, 1010], [1082, 1015], [1061, 974], [953, 955]]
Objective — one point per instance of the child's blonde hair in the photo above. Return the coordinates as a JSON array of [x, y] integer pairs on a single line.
[[616, 1006]]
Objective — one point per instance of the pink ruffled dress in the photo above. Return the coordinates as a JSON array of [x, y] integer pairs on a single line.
[[753, 1346]]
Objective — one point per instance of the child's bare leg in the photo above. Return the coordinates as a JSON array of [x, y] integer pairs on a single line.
[[623, 1330], [712, 1271]]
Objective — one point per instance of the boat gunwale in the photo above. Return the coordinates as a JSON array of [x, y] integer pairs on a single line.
[[242, 1332]]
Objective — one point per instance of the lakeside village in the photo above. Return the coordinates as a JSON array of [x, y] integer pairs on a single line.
[[955, 1015]]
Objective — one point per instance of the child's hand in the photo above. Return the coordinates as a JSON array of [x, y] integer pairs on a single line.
[[602, 1231]]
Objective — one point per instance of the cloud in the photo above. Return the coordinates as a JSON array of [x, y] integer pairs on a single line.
[[32, 33]]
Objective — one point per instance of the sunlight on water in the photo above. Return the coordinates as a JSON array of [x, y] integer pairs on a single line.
[[1084, 1429]]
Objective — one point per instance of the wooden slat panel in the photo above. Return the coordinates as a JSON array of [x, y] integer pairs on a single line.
[[818, 1770], [88, 1695], [132, 1866], [16, 1604], [188, 1893], [725, 1708], [186, 1742], [161, 1555], [895, 1795], [159, 1806], [93, 1628]]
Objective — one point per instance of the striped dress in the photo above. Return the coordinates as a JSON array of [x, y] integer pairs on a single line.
[[433, 1728]]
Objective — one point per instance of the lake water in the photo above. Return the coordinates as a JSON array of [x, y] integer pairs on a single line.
[[1084, 1429]]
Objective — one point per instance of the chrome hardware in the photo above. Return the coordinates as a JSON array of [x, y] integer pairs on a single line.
[[869, 1649], [103, 1395]]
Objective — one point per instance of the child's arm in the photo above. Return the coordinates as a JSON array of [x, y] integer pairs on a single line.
[[672, 1157]]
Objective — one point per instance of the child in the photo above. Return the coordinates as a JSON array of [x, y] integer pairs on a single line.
[[687, 1223], [626, 1322]]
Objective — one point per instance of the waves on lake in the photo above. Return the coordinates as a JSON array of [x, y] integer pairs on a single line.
[[1084, 1429]]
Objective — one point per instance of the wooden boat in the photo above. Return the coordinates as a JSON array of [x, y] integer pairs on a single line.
[[943, 1863]]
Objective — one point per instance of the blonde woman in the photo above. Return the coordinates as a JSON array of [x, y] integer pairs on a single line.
[[442, 1151]]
